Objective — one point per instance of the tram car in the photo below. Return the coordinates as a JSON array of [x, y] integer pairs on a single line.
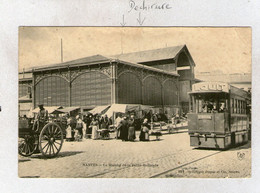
[[218, 115]]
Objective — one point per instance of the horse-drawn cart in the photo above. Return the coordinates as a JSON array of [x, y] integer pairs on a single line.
[[47, 139]]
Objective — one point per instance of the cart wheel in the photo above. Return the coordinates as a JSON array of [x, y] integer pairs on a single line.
[[27, 145], [50, 140]]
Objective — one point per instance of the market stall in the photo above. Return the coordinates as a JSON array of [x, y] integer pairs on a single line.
[[126, 108], [99, 109], [50, 109], [69, 110]]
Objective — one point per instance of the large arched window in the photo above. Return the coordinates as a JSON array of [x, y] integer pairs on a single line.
[[170, 91], [152, 91], [91, 89], [52, 91], [129, 89]]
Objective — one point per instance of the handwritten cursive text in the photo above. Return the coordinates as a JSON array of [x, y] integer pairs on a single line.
[[144, 6]]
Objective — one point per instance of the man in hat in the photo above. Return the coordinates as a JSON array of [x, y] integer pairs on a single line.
[[41, 118]]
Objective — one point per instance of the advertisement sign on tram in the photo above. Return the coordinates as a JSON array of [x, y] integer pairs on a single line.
[[211, 86]]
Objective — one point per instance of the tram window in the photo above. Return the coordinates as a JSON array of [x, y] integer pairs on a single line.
[[244, 110], [222, 106], [238, 106], [210, 102], [207, 107], [237, 110], [201, 106], [235, 105], [241, 108], [232, 105]]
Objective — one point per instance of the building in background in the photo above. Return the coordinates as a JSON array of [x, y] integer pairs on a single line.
[[161, 78], [25, 93], [239, 80], [175, 59]]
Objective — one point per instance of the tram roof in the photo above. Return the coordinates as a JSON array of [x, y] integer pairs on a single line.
[[217, 87], [198, 92]]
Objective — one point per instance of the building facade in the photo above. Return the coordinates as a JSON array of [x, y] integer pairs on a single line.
[[107, 82], [175, 59], [160, 78]]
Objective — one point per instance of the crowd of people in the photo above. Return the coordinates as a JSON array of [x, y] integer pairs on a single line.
[[80, 126], [99, 126], [86, 126]]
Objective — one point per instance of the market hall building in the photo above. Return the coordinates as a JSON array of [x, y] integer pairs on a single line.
[[161, 78]]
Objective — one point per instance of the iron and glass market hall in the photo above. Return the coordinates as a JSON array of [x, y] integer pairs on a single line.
[[161, 78]]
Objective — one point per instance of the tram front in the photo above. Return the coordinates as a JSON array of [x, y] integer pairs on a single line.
[[208, 120]]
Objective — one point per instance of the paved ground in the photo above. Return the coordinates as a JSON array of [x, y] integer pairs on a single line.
[[170, 157]]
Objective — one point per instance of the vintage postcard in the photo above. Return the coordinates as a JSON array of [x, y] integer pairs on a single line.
[[134, 102]]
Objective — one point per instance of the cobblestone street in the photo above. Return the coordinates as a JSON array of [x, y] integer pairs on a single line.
[[170, 157]]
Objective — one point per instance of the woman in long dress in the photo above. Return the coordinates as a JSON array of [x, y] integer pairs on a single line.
[[79, 128], [103, 128], [95, 126], [88, 121], [144, 134], [131, 128], [123, 127], [70, 128], [68, 133]]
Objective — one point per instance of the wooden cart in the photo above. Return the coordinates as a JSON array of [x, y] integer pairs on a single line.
[[48, 140]]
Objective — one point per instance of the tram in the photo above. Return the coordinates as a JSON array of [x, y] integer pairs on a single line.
[[218, 115]]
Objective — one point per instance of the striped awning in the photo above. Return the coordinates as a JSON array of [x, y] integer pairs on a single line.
[[99, 109]]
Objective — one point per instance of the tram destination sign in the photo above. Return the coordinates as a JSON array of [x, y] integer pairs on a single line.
[[210, 86], [209, 117]]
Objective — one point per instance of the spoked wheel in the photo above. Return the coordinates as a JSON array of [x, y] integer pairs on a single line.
[[50, 140], [27, 145]]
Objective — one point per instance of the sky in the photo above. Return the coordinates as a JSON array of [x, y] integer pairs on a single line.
[[212, 49]]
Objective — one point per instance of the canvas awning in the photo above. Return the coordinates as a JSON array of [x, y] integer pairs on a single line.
[[145, 107], [99, 109], [124, 108], [49, 109], [67, 109]]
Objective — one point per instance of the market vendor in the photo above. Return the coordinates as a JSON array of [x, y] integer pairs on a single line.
[[41, 118]]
